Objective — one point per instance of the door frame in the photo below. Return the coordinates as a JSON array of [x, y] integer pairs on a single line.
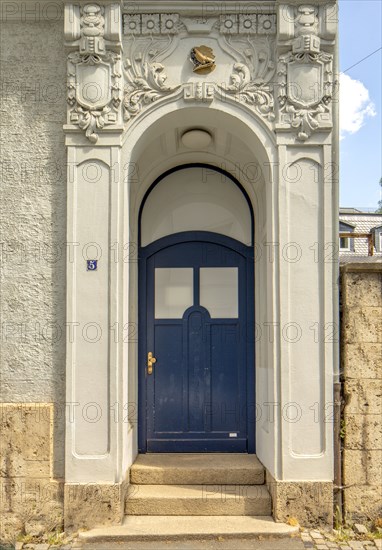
[[144, 253]]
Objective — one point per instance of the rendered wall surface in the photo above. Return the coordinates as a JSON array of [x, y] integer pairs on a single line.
[[33, 216], [362, 385], [33, 211]]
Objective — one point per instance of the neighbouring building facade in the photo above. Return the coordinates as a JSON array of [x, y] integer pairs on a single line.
[[169, 248], [368, 224]]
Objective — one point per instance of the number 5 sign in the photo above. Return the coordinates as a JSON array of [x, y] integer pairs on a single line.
[[91, 265]]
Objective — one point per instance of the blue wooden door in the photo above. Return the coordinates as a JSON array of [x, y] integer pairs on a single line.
[[198, 303]]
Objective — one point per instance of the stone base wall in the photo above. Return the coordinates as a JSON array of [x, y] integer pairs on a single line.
[[361, 341], [93, 504], [310, 502], [31, 500]]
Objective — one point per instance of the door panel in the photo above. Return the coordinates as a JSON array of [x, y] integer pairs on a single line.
[[197, 371], [196, 315], [225, 380], [169, 382]]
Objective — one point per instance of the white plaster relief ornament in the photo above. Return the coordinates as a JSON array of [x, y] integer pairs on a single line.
[[305, 90], [244, 89], [306, 78], [152, 36], [252, 74], [146, 84], [94, 70], [94, 74], [251, 79]]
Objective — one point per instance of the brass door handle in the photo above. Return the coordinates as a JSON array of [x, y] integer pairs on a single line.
[[150, 362]]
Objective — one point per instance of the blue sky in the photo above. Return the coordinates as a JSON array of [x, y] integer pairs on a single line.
[[360, 24]]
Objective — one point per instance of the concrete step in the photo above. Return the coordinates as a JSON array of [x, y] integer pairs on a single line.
[[144, 528], [198, 469], [201, 500]]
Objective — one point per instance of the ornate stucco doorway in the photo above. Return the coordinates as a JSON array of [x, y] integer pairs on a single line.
[[277, 143]]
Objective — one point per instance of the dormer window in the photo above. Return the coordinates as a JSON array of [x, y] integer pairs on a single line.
[[346, 243], [377, 234]]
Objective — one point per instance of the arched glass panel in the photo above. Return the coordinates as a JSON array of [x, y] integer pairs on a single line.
[[196, 199]]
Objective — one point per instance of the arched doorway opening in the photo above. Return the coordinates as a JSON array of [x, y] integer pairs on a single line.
[[196, 314]]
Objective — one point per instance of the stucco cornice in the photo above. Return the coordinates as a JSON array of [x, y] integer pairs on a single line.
[[303, 3], [197, 7]]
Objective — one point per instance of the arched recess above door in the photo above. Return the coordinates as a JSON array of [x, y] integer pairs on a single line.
[[196, 197]]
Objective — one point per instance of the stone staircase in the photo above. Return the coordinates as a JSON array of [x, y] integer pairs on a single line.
[[197, 485], [194, 496]]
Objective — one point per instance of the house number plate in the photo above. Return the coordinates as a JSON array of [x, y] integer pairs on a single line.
[[91, 265]]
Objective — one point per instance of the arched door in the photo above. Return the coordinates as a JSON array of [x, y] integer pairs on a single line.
[[196, 364]]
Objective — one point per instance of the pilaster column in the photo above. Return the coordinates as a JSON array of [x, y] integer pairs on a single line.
[[93, 35]]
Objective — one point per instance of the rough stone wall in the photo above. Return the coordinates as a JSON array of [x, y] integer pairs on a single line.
[[362, 381], [93, 504], [310, 502], [31, 501], [33, 215]]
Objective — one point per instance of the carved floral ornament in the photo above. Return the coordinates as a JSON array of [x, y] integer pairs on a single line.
[[146, 83], [300, 81], [250, 81]]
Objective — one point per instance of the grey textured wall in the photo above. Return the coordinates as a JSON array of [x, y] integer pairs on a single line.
[[33, 211]]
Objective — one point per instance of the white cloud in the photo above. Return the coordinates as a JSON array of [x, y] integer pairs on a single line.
[[355, 105]]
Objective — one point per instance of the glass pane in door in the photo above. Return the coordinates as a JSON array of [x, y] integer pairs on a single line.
[[173, 291], [219, 291]]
